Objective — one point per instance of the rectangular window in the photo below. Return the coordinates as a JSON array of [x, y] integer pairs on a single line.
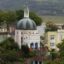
[[52, 37], [52, 44]]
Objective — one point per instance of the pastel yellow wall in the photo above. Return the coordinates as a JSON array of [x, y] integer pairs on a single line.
[[47, 39]]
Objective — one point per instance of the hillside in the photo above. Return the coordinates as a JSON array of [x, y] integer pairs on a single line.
[[55, 19]]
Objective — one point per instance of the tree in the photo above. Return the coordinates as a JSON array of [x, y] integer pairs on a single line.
[[20, 14], [53, 54], [9, 18], [9, 44], [25, 51], [36, 18], [8, 51], [1, 17], [61, 49], [50, 26]]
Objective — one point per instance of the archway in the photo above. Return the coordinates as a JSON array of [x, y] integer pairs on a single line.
[[36, 45], [32, 45]]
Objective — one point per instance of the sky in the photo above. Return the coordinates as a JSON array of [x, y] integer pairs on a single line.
[[13, 3], [48, 0], [40, 6]]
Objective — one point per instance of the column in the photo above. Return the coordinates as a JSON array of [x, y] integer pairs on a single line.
[[33, 62]]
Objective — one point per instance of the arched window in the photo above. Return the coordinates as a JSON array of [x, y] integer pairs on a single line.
[[36, 45], [32, 45], [36, 62], [21, 40]]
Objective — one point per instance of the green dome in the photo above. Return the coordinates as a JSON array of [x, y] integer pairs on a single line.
[[26, 24]]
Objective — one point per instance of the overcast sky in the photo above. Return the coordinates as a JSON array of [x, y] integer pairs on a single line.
[[4, 1], [15, 3]]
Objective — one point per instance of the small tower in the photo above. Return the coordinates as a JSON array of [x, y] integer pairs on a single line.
[[26, 12]]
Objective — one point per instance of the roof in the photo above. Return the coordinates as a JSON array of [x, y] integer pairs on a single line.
[[26, 24]]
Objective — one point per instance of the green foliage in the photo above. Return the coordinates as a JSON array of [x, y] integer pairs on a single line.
[[25, 51], [61, 47], [9, 52], [20, 14], [32, 53], [57, 58], [8, 16], [9, 44], [50, 26], [54, 62], [33, 16], [1, 15], [11, 17], [36, 18], [60, 59], [53, 54]]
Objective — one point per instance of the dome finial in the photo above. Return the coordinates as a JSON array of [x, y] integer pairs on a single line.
[[26, 10]]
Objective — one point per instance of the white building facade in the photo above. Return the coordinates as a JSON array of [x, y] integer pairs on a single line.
[[26, 32], [41, 29]]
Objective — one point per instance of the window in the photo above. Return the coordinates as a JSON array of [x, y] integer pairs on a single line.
[[21, 39], [52, 37], [51, 44], [32, 45], [36, 45]]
